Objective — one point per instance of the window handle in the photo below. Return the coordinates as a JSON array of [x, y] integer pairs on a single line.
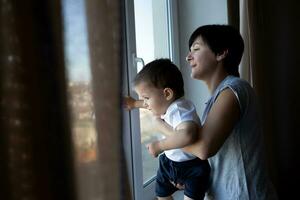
[[138, 60]]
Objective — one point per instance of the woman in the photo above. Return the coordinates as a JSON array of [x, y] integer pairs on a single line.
[[230, 136]]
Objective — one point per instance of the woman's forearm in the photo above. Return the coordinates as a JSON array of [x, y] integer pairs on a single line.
[[185, 134]]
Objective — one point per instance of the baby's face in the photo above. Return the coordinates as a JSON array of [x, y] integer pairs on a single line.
[[154, 98]]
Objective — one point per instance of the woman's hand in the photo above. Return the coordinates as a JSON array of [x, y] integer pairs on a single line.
[[179, 186], [161, 126], [154, 148], [157, 123]]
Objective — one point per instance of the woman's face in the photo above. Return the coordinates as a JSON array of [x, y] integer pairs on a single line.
[[201, 59]]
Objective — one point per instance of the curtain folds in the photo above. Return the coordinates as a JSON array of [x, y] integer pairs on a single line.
[[239, 17], [245, 29], [35, 149], [233, 11], [105, 43], [36, 146]]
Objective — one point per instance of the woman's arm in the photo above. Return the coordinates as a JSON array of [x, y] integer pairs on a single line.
[[185, 133], [219, 124]]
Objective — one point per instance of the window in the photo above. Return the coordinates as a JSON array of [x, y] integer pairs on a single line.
[[150, 35], [80, 99]]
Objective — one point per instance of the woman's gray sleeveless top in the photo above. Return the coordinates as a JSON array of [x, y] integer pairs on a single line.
[[238, 169]]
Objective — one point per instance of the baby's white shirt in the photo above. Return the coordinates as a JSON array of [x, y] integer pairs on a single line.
[[179, 111]]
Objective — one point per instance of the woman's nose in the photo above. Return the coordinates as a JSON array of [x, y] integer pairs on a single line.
[[188, 58]]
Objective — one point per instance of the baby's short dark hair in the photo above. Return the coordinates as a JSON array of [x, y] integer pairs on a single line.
[[162, 73]]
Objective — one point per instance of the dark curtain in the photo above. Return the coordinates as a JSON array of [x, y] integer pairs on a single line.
[[276, 77], [233, 13], [36, 146], [274, 27], [105, 31]]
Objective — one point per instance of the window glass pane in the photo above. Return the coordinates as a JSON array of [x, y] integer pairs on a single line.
[[151, 42], [80, 97]]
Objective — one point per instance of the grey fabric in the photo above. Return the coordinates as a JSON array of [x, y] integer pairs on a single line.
[[238, 169]]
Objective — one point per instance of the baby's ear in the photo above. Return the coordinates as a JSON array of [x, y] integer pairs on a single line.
[[168, 93]]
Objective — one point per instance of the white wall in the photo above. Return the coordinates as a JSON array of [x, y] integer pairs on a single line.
[[192, 14]]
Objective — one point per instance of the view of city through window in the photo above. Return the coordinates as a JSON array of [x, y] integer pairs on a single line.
[[80, 99], [79, 81]]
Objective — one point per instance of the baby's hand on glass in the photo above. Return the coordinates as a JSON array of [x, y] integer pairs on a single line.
[[129, 102], [154, 148]]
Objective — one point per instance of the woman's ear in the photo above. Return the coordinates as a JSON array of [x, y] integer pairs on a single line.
[[222, 55], [168, 93]]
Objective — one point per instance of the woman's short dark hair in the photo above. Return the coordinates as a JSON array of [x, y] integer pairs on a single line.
[[220, 38], [162, 73]]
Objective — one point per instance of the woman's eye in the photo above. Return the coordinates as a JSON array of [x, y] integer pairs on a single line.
[[195, 49]]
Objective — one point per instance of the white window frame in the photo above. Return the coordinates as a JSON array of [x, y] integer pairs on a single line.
[[131, 128]]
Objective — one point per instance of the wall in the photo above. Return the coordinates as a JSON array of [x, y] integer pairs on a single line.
[[192, 14]]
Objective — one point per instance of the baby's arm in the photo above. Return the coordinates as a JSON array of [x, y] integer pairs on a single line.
[[131, 103], [186, 133]]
